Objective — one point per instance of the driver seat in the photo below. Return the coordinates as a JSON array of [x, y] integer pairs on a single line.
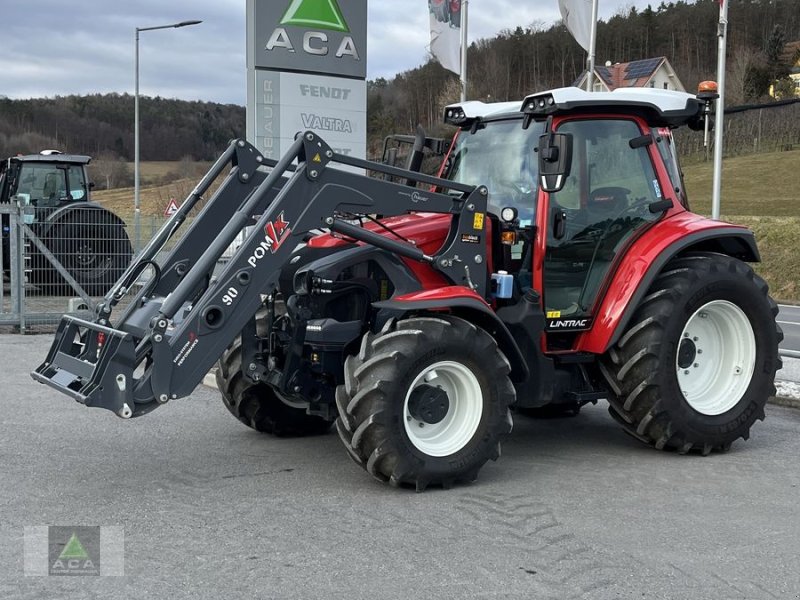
[[606, 202]]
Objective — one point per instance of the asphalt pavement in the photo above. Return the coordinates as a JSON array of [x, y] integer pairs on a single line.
[[789, 320], [573, 509], [787, 381]]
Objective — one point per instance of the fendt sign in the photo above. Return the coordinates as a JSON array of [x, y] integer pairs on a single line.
[[316, 36], [306, 70]]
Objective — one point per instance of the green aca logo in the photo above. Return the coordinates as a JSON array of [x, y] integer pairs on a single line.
[[315, 14], [74, 558], [316, 17]]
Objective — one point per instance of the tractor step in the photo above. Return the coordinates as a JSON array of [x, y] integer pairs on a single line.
[[582, 398], [92, 364]]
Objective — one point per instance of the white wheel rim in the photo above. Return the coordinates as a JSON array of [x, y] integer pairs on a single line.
[[459, 425], [719, 340]]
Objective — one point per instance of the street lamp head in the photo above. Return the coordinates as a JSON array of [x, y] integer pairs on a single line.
[[187, 23]]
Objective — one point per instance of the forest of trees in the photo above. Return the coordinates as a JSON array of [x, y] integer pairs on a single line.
[[538, 56], [508, 66], [103, 125]]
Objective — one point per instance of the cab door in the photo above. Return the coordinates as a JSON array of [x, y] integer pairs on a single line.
[[606, 201]]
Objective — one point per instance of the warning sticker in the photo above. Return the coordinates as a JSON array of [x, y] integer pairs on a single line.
[[470, 238], [477, 222], [553, 314]]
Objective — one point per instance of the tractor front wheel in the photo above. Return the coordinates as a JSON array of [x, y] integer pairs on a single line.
[[259, 406], [697, 363], [425, 401]]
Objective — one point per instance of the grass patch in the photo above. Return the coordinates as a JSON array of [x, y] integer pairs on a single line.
[[759, 192], [758, 185]]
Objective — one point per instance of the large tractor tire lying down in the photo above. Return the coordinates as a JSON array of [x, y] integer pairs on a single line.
[[425, 401], [257, 405], [697, 363]]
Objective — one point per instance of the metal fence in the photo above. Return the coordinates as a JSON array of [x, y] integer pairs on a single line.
[[773, 127], [58, 260]]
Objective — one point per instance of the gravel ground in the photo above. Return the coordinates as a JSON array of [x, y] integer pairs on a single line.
[[210, 509]]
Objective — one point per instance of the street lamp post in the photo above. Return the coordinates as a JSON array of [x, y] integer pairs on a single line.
[[136, 200]]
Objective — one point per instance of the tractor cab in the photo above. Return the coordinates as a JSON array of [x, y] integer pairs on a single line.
[[574, 178], [46, 180]]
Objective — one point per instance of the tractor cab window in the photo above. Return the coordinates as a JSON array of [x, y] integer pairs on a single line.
[[604, 203], [2, 180], [50, 185], [669, 154], [500, 155]]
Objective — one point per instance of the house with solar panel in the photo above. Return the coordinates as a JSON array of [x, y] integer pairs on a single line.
[[650, 72]]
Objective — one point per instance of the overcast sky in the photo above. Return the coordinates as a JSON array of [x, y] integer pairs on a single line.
[[53, 47]]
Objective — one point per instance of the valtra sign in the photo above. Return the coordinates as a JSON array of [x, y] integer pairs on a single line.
[[315, 36]]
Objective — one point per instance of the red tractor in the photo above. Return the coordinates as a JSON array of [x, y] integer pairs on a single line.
[[554, 262]]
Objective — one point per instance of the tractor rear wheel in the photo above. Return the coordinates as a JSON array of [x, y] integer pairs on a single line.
[[425, 401], [258, 405], [92, 247], [697, 364]]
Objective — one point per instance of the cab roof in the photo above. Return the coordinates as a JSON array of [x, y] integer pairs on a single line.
[[75, 159], [476, 109], [660, 108]]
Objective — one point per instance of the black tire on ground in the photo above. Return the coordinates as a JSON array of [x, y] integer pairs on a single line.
[[94, 249], [257, 405], [374, 420], [642, 367]]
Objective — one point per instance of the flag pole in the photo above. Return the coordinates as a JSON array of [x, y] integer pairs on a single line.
[[722, 31], [464, 22], [592, 43]]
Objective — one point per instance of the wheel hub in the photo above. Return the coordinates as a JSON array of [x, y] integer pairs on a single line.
[[447, 402], [716, 357], [687, 352], [428, 404]]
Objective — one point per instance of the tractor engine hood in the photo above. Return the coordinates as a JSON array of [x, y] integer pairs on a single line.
[[426, 230]]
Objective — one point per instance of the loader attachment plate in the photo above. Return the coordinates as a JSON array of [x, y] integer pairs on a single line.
[[91, 363]]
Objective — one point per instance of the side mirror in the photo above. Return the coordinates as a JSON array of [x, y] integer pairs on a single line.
[[555, 160]]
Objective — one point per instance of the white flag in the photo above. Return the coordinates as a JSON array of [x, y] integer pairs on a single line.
[[577, 15], [446, 33]]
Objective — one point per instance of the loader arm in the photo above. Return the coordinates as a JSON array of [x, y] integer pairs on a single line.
[[168, 339]]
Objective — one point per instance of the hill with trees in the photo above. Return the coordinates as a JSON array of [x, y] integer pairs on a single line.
[[508, 66], [537, 56], [102, 124]]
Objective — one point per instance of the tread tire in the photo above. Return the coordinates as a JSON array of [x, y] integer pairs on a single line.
[[639, 369], [257, 405], [107, 247], [371, 402]]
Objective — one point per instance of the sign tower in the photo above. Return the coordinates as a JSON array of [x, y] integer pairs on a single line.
[[307, 69]]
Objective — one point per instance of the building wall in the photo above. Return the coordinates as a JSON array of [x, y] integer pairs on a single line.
[[662, 81]]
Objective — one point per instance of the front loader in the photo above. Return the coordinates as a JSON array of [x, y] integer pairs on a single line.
[[553, 263]]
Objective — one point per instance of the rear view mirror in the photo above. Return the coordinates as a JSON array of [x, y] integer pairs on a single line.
[[555, 160]]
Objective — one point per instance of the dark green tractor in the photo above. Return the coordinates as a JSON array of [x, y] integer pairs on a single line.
[[82, 239]]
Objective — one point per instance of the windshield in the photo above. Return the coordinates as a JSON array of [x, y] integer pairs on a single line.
[[46, 184], [500, 155]]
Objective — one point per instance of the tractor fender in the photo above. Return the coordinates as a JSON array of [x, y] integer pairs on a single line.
[[462, 302], [61, 213], [644, 261]]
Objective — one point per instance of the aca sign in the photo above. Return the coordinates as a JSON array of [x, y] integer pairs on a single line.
[[314, 36]]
